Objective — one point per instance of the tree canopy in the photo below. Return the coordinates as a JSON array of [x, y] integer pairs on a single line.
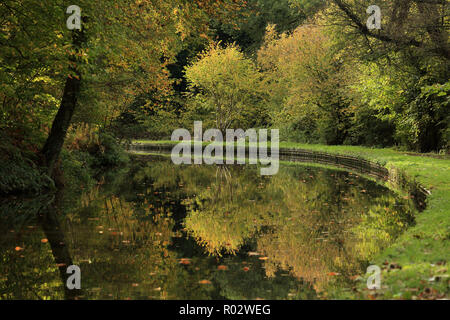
[[313, 69]]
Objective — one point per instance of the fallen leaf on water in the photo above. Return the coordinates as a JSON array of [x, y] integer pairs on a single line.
[[246, 269], [135, 284], [222, 267], [44, 240], [18, 248], [204, 282], [185, 261]]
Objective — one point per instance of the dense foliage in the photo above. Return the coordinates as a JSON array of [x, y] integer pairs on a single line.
[[144, 68]]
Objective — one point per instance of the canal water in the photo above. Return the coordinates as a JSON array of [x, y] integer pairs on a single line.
[[154, 230]]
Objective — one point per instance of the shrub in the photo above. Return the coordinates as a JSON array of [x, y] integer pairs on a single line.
[[102, 147], [19, 172]]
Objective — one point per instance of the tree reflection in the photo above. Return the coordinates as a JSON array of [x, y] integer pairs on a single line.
[[314, 224], [21, 280], [160, 231]]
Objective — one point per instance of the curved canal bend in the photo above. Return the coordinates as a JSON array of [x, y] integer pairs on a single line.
[[159, 231]]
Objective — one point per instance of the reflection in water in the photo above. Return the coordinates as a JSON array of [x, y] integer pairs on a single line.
[[159, 231], [31, 214], [49, 223]]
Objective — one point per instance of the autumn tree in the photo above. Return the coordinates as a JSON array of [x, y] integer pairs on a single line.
[[52, 76], [226, 85], [128, 48], [307, 81]]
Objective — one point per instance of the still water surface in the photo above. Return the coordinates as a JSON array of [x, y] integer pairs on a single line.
[[159, 231]]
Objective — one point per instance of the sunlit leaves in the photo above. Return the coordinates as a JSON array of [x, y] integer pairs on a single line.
[[225, 84], [307, 80]]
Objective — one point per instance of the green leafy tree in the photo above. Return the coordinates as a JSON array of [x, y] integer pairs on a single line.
[[412, 49], [308, 82], [225, 86]]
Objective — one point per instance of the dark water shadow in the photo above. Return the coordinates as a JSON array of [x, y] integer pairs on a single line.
[[42, 211]]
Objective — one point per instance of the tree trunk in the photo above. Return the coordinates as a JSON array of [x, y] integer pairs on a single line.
[[61, 123], [55, 140]]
